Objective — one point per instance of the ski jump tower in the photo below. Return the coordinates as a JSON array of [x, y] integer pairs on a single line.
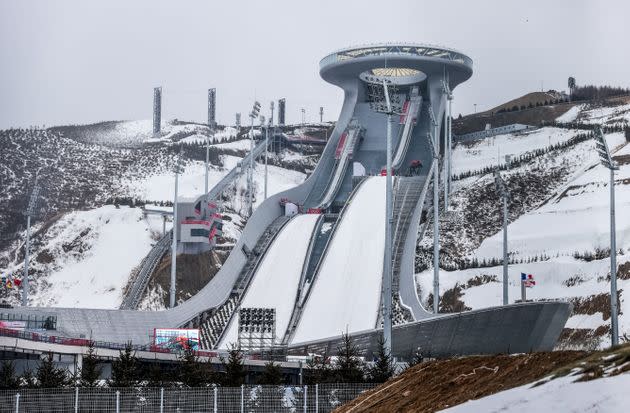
[[307, 253]]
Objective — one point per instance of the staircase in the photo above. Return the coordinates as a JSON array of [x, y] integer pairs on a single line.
[[407, 195], [132, 299], [214, 325]]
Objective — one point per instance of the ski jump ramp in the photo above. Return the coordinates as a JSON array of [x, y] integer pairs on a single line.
[[345, 289]]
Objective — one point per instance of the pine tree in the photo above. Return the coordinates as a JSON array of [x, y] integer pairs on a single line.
[[125, 369], [28, 380], [49, 376], [234, 368], [416, 358], [319, 370], [383, 368], [272, 374], [8, 379], [348, 366], [191, 372], [90, 369]]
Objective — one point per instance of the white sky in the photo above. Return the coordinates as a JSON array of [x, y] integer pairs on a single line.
[[77, 61]]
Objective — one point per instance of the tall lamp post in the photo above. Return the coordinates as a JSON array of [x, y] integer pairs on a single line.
[[607, 161], [447, 142], [387, 271], [504, 193], [178, 167], [250, 175], [30, 211], [434, 143]]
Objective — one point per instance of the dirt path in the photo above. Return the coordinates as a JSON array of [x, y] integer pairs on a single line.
[[439, 384]]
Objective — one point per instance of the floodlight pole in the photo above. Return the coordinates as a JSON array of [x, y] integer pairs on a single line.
[[250, 175], [608, 162], [450, 142], [26, 260], [174, 237], [387, 270], [266, 154], [505, 249], [207, 162], [614, 321], [436, 217], [30, 210]]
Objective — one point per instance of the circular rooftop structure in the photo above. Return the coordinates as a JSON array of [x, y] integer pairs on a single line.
[[401, 63]]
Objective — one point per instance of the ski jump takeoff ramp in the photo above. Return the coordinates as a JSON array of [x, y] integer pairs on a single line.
[[322, 272]]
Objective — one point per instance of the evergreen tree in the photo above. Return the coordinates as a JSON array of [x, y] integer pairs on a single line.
[[234, 369], [156, 376], [348, 366], [8, 379], [125, 369], [90, 369], [191, 372], [319, 370], [416, 358], [28, 380], [272, 374], [49, 376], [383, 367]]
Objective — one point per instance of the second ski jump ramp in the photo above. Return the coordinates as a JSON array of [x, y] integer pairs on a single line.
[[278, 276], [347, 288]]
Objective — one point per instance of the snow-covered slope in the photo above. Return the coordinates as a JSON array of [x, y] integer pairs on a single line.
[[559, 228], [608, 394], [80, 176], [84, 259], [345, 294], [278, 276]]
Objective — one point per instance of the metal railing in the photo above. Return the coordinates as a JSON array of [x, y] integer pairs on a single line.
[[319, 398]]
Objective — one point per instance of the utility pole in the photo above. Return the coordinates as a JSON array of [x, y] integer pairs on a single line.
[[607, 161], [505, 195], [387, 270], [321, 114], [303, 116], [250, 177], [174, 237], [30, 211]]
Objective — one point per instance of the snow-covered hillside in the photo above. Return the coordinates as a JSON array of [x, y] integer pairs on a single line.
[[559, 227], [597, 383], [83, 251]]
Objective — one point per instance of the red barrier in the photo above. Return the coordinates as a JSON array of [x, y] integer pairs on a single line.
[[340, 145]]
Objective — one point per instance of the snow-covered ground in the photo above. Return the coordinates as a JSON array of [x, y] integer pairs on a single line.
[[93, 254], [346, 293], [575, 220], [492, 151], [160, 185], [609, 394], [278, 275]]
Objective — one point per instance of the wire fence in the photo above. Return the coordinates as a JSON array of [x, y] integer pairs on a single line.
[[318, 398]]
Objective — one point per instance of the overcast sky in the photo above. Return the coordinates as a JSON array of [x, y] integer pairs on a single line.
[[64, 62]]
